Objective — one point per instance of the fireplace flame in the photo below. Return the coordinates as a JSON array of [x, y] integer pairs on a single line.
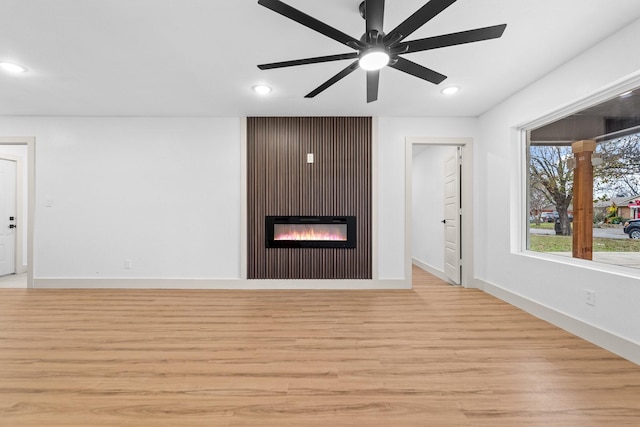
[[305, 232]]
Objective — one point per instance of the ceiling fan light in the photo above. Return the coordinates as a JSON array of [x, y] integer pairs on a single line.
[[374, 59], [12, 68]]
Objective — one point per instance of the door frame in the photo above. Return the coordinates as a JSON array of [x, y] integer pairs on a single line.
[[30, 142], [466, 196]]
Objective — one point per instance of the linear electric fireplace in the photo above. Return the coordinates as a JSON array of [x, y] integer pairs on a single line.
[[310, 231]]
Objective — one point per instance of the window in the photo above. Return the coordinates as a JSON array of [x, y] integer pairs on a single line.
[[614, 128]]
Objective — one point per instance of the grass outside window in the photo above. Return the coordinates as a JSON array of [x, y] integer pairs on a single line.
[[551, 243]]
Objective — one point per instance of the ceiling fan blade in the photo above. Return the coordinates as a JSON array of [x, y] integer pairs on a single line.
[[306, 20], [342, 74], [420, 17], [373, 81], [374, 15], [470, 36], [306, 61], [419, 71]]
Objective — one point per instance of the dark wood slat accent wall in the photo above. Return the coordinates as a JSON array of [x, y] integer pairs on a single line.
[[280, 182]]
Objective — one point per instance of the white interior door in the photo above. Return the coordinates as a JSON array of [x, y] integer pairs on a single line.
[[7, 217], [452, 216]]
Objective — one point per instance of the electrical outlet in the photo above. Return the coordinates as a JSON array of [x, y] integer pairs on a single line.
[[590, 297], [128, 264]]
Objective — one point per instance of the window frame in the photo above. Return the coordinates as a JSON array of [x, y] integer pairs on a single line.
[[520, 231]]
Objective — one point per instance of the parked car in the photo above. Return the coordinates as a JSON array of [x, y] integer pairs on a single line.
[[549, 216], [632, 228]]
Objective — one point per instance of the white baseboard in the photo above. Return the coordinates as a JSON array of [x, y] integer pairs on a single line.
[[431, 269], [229, 284], [605, 339]]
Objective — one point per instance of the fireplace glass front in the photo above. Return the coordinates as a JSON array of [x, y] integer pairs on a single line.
[[310, 231]]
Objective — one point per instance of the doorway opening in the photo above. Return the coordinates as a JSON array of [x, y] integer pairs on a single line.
[[21, 152], [438, 208]]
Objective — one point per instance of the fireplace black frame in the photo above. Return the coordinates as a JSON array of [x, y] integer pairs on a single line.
[[350, 222]]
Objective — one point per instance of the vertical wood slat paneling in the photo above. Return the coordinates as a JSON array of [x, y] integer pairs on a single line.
[[280, 182]]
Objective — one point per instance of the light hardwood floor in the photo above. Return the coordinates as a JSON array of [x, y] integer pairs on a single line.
[[432, 356]]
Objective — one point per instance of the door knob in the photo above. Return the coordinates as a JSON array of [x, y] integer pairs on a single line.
[[444, 221], [12, 226]]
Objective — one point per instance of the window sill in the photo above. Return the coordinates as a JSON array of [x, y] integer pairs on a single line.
[[566, 259]]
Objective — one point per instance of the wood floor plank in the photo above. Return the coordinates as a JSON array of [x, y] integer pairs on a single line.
[[432, 356]]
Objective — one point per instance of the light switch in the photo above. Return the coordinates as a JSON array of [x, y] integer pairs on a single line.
[[309, 157]]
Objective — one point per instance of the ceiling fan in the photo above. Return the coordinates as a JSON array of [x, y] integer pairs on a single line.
[[377, 49]]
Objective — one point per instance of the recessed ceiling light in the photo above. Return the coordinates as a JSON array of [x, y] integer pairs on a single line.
[[450, 90], [262, 89], [12, 68]]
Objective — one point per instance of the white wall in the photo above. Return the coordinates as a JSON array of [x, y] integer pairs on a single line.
[[555, 285], [165, 193], [428, 204], [161, 192], [392, 134]]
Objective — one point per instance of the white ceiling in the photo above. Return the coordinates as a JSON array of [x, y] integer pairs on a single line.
[[199, 57]]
